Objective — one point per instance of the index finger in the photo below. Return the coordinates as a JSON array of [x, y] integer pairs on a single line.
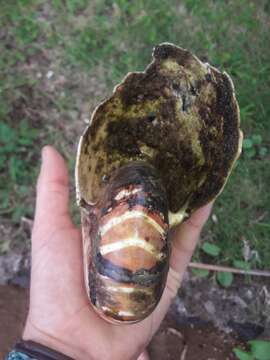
[[184, 240], [185, 237]]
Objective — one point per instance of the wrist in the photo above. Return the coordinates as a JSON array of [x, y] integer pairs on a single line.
[[33, 350], [32, 334]]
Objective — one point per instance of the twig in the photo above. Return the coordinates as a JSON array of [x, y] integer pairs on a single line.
[[262, 224], [175, 332], [259, 218], [229, 269], [178, 334], [184, 353]]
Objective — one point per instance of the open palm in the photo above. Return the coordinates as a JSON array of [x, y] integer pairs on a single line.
[[60, 315]]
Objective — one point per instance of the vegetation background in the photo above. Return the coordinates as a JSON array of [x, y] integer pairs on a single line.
[[60, 58]]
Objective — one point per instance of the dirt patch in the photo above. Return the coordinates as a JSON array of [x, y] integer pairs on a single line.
[[13, 309], [209, 320], [191, 342], [172, 342]]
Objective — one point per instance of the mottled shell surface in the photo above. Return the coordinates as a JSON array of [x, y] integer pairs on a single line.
[[179, 115]]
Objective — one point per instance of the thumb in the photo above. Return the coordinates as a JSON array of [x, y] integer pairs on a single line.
[[52, 193]]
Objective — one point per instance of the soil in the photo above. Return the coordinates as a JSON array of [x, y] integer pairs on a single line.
[[244, 307], [189, 341], [13, 310], [205, 321]]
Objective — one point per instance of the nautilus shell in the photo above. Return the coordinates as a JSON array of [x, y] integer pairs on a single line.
[[159, 148]]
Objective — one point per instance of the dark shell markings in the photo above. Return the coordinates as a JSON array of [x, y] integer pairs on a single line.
[[178, 122]]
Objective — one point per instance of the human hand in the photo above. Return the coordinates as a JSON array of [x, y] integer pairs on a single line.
[[60, 315]]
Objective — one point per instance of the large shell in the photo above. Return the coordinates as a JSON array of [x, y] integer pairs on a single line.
[[180, 115], [178, 121]]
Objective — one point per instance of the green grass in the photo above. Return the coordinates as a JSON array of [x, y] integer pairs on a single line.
[[114, 37], [18, 134]]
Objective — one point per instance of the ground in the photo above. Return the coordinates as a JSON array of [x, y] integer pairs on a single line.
[[204, 326], [169, 343], [59, 59]]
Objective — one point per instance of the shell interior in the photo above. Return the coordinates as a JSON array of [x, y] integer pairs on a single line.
[[180, 115]]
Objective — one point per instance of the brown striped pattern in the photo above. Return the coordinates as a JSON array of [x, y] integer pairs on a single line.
[[132, 243]]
